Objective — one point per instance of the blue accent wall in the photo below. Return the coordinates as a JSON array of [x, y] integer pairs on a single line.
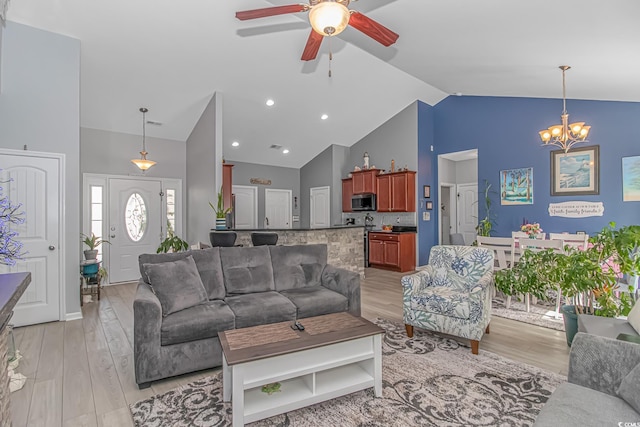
[[505, 132], [427, 230]]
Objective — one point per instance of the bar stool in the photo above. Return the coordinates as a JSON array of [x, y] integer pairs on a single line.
[[222, 238], [260, 239]]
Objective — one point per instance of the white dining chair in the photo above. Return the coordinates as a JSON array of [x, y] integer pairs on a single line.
[[522, 234], [578, 241], [501, 247]]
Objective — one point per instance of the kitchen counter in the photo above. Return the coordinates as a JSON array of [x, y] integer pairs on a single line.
[[345, 243], [333, 227]]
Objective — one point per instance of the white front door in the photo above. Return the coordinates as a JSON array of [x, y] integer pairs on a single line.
[[277, 208], [246, 206], [468, 211], [135, 225], [35, 182], [320, 207]]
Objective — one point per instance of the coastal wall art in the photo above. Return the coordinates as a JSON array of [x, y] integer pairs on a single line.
[[516, 186], [576, 172], [631, 179]]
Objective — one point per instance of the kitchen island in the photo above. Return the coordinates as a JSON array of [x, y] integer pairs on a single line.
[[345, 243]]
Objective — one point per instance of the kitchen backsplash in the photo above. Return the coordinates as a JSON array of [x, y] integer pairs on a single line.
[[380, 218]]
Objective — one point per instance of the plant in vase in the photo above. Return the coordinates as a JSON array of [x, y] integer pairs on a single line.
[[92, 242], [172, 243], [220, 212], [532, 229], [485, 225]]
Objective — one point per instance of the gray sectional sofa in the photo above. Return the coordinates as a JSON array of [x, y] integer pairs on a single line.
[[176, 326], [603, 387]]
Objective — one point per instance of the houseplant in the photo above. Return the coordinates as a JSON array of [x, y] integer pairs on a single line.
[[220, 211], [172, 243], [485, 225], [92, 242]]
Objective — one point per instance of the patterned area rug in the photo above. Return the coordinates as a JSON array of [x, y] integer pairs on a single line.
[[539, 314], [427, 380]]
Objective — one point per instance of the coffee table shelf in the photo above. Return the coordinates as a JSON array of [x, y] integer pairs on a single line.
[[328, 367]]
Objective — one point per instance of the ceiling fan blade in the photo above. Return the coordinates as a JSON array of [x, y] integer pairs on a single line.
[[270, 11], [312, 47], [376, 31]]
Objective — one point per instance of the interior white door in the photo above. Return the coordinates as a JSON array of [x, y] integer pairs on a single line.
[[320, 207], [34, 182], [277, 208], [468, 211], [246, 206], [135, 225]]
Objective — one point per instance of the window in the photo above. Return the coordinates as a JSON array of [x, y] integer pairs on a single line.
[[135, 217], [171, 211], [96, 213]]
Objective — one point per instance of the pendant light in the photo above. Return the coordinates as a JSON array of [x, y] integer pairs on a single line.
[[143, 163]]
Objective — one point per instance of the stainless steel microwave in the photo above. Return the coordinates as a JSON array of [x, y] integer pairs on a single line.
[[363, 202]]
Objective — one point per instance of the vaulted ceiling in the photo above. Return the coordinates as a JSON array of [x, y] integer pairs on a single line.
[[172, 56]]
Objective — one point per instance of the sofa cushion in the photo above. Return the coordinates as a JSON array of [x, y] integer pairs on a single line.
[[448, 302], [207, 261], [197, 323], [574, 405], [260, 308], [629, 389], [177, 284], [604, 326], [634, 318], [247, 270], [316, 300], [298, 266]]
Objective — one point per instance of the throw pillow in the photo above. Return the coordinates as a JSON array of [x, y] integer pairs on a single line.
[[629, 389], [177, 284], [634, 317]]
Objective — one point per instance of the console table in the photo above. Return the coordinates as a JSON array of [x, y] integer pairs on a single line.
[[12, 286]]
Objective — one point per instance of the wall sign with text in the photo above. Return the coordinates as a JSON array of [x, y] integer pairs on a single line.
[[576, 209]]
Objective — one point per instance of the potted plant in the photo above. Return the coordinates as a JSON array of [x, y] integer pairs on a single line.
[[220, 211], [172, 243], [485, 225], [92, 242]]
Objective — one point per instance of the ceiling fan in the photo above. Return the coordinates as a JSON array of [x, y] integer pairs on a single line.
[[327, 18]]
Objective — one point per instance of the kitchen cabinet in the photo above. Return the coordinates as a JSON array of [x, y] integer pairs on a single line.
[[364, 181], [393, 251], [396, 192], [347, 192], [227, 185]]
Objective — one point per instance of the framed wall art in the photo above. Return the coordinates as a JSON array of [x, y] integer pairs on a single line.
[[631, 179], [429, 206], [426, 190], [516, 186], [576, 172]]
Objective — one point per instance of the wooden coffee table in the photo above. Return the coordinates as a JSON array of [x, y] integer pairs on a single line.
[[336, 354]]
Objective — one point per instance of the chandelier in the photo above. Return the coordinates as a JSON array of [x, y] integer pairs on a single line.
[[143, 163], [565, 135]]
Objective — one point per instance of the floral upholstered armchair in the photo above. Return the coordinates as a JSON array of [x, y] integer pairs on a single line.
[[452, 294]]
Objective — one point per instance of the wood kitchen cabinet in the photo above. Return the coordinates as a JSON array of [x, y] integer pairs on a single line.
[[364, 181], [396, 192], [393, 251], [347, 192], [227, 185]]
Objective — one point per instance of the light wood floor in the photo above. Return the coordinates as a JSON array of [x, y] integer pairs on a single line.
[[80, 373]]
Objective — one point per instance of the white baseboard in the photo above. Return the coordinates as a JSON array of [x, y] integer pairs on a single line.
[[73, 316]]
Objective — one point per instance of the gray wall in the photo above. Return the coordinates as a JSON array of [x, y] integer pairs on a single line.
[[281, 179], [40, 108], [203, 175], [111, 153], [340, 165], [395, 139], [446, 171], [317, 173], [467, 171]]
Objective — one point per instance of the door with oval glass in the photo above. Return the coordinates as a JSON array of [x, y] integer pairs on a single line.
[[135, 225]]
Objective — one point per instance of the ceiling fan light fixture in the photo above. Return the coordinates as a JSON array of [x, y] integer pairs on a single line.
[[329, 18]]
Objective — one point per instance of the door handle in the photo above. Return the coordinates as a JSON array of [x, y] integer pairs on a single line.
[[52, 248]]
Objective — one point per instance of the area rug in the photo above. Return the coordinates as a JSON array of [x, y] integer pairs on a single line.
[[427, 380], [539, 314]]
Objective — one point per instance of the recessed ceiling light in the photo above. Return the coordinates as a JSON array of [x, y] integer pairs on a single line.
[[285, 151], [324, 117], [270, 102], [235, 144]]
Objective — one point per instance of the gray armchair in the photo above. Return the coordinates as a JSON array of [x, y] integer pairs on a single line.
[[597, 367], [452, 294]]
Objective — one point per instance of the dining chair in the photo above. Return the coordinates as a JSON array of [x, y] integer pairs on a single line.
[[520, 245], [578, 241], [501, 247]]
